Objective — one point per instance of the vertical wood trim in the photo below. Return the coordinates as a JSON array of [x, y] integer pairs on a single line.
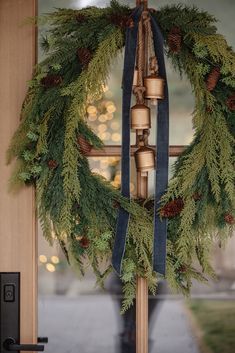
[[142, 315], [142, 286], [18, 241]]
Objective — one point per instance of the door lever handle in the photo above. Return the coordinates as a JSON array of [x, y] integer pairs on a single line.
[[42, 339], [11, 345]]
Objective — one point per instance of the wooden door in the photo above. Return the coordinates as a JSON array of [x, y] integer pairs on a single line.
[[18, 243]]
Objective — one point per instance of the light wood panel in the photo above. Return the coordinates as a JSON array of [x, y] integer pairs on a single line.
[[18, 244], [115, 151], [142, 334]]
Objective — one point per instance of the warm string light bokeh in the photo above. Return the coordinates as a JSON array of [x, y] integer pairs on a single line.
[[49, 264], [102, 119], [106, 124]]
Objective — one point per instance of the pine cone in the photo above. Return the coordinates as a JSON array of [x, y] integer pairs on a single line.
[[197, 196], [84, 56], [212, 79], [130, 23], [116, 204], [172, 208], [51, 81], [209, 110], [229, 218], [183, 268], [84, 145], [80, 18], [52, 164], [231, 102], [122, 21], [175, 40], [84, 242]]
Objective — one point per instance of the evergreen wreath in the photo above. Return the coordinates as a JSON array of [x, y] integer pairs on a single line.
[[79, 208]]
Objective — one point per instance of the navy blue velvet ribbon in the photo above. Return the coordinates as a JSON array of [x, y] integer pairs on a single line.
[[160, 226], [162, 150], [127, 82]]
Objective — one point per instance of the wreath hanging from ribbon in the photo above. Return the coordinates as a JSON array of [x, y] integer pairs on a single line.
[[81, 210]]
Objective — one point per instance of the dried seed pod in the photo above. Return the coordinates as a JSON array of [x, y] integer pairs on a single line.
[[84, 145], [84, 56], [172, 208], [175, 40], [213, 78]]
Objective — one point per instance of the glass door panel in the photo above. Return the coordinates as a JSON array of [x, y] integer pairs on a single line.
[[76, 315]]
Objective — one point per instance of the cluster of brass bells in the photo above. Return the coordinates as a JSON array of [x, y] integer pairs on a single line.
[[141, 120], [154, 90]]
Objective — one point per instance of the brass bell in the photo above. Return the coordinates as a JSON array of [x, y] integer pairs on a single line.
[[145, 159], [154, 87], [140, 117]]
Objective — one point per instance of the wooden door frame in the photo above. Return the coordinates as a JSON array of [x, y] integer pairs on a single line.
[[18, 236]]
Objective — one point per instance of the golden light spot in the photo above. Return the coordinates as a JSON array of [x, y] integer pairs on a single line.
[[55, 259], [117, 178], [50, 267], [115, 184], [92, 117], [91, 109], [102, 127], [43, 259], [107, 103], [102, 118], [115, 125], [109, 116], [111, 108], [116, 137], [105, 136]]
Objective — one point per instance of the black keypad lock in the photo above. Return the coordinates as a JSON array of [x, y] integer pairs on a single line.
[[10, 316]]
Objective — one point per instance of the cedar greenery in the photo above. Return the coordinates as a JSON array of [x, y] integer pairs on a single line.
[[72, 201]]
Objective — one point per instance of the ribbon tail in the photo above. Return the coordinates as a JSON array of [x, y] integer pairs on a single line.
[[128, 72], [162, 150]]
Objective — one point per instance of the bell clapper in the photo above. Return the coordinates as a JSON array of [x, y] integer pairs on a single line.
[[153, 101], [139, 132]]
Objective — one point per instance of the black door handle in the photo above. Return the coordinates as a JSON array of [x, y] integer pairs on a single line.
[[11, 345], [42, 339]]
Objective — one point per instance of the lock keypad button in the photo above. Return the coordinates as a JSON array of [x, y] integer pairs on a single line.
[[9, 292]]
